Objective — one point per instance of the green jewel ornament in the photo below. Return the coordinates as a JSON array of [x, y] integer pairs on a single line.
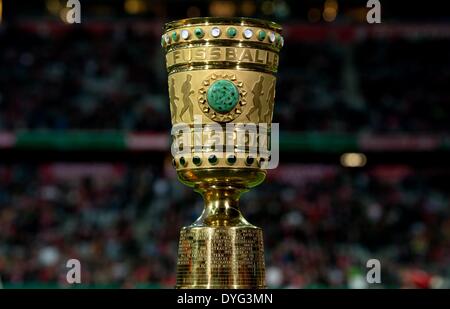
[[199, 33], [174, 36], [261, 35], [196, 160], [231, 32], [183, 161], [231, 159], [212, 159], [249, 160], [222, 96]]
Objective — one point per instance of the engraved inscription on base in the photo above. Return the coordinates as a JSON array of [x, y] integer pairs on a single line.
[[221, 256]]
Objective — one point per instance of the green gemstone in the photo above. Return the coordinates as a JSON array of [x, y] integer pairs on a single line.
[[196, 160], [182, 161], [249, 160], [174, 36], [261, 35], [212, 159], [231, 159], [199, 33], [222, 96], [162, 41], [231, 32]]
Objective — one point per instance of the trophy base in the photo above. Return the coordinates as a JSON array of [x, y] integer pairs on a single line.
[[229, 257]]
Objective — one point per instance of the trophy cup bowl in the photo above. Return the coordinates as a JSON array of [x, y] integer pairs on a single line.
[[221, 78]]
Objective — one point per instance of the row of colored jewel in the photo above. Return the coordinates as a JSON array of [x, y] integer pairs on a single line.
[[216, 32], [213, 160]]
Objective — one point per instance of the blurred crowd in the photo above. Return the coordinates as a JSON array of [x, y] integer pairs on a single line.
[[123, 226], [114, 78]]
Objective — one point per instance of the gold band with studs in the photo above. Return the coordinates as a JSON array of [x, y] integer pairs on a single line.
[[236, 32]]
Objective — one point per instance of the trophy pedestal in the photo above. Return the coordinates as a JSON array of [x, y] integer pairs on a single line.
[[221, 249], [221, 257]]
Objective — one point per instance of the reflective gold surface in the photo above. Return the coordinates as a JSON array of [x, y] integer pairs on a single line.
[[221, 249]]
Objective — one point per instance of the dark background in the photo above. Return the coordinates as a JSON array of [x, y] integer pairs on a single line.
[[84, 145]]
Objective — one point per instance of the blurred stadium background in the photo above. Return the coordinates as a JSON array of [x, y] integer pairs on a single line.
[[84, 145]]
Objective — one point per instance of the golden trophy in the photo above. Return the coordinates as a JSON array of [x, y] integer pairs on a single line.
[[221, 78]]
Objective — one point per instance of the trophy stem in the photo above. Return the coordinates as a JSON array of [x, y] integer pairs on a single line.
[[221, 249], [221, 207]]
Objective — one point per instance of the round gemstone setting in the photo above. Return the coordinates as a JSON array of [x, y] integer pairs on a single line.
[[222, 96]]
